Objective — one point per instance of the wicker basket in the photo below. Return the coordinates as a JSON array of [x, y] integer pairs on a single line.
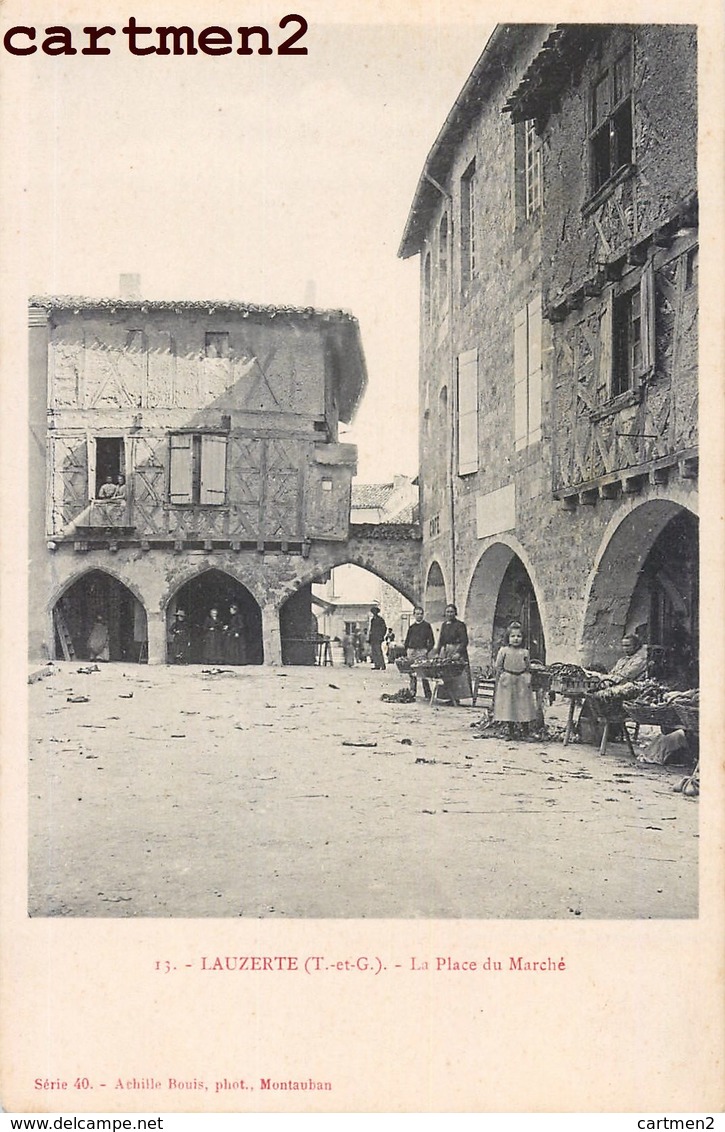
[[657, 715], [689, 716], [403, 664], [437, 669]]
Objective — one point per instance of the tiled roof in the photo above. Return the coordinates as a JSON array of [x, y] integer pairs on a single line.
[[371, 494], [84, 303]]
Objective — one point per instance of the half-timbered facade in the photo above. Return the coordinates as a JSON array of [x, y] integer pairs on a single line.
[[556, 224], [191, 461]]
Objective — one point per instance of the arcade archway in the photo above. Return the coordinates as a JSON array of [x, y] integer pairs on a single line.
[[646, 581], [501, 591], [98, 618], [194, 636]]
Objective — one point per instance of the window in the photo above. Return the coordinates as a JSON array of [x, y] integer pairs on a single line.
[[216, 344], [627, 337], [426, 288], [610, 139], [443, 261], [627, 341], [197, 469], [467, 408], [110, 465], [434, 526], [468, 225], [532, 168], [528, 173], [527, 374]]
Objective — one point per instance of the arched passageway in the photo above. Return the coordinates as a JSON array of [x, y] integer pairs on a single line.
[[98, 618], [646, 581], [337, 604], [196, 636], [501, 591]]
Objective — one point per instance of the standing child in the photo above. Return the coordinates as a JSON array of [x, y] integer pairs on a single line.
[[514, 700], [348, 648]]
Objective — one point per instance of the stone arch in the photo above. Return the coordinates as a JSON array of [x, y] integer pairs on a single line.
[[619, 571], [235, 637], [97, 598], [434, 594], [187, 573], [296, 603], [313, 572], [488, 608]]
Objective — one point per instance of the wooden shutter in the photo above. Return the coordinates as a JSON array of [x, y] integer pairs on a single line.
[[521, 375], [468, 412], [606, 344], [213, 483], [534, 368], [647, 315], [180, 468]]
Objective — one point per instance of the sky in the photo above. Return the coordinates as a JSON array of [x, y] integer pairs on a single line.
[[266, 179]]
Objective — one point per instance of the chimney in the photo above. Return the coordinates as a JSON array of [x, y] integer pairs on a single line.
[[130, 286]]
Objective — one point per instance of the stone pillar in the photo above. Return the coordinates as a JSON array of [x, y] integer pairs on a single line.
[[156, 637], [270, 635]]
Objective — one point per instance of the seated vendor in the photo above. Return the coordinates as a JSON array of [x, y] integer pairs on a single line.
[[633, 665]]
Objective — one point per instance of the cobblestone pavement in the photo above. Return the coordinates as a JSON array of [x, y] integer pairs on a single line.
[[173, 793]]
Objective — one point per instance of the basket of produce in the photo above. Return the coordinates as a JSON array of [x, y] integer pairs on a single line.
[[403, 664], [541, 677], [687, 706], [438, 668], [654, 714], [572, 680]]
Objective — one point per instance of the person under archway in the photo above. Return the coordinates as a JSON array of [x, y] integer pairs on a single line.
[[453, 645], [99, 641], [376, 636], [514, 702]]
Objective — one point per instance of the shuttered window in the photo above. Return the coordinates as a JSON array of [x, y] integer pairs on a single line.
[[467, 406], [527, 374], [197, 469]]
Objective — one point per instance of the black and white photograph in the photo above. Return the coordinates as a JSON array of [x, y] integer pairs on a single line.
[[363, 380]]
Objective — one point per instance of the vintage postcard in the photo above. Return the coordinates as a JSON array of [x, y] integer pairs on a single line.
[[361, 578]]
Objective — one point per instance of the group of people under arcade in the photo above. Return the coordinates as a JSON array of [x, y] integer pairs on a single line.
[[217, 640]]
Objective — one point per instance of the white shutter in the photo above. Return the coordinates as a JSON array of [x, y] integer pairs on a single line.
[[534, 375], [468, 412], [213, 487], [521, 375], [180, 468], [647, 314]]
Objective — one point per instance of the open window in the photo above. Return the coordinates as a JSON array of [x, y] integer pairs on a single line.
[[197, 469], [611, 134], [627, 330], [110, 464]]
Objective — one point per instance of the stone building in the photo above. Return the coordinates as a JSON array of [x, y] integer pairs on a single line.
[[556, 224], [222, 418]]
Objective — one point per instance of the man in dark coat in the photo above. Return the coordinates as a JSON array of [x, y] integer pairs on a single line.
[[376, 636], [235, 645]]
